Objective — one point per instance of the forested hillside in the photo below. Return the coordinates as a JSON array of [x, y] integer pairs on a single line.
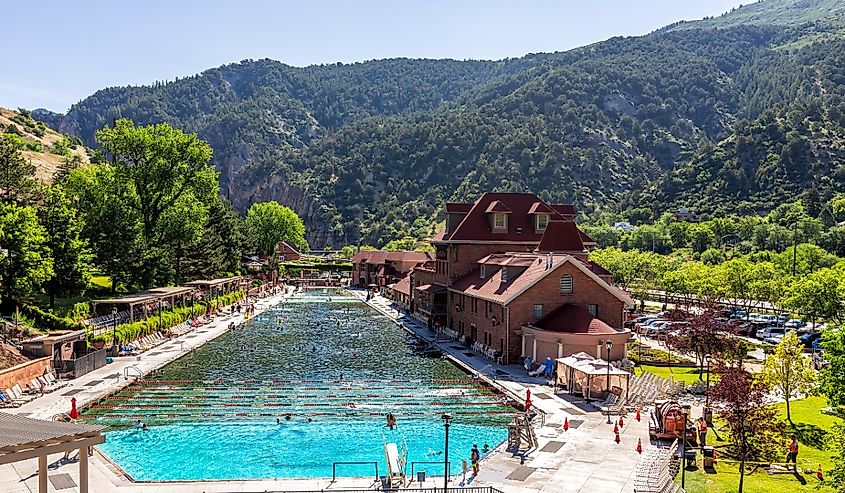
[[743, 109]]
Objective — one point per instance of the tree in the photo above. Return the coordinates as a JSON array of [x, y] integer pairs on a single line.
[[818, 295], [836, 444], [788, 371], [740, 401], [71, 256], [271, 223], [705, 335], [833, 377], [113, 230], [162, 164], [17, 177], [227, 227], [25, 261]]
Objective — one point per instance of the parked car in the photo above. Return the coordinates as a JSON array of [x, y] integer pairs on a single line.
[[642, 327], [657, 327], [770, 331], [774, 339], [810, 339], [769, 319], [794, 323], [630, 324]]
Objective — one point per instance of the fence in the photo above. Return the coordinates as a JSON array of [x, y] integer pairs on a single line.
[[82, 365]]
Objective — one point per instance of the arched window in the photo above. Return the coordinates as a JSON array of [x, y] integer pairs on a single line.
[[566, 284]]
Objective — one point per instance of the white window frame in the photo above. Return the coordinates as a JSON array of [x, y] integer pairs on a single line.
[[483, 271], [566, 284], [593, 310], [497, 216], [538, 308], [545, 219], [504, 274]]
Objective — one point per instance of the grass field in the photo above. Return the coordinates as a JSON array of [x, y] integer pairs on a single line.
[[687, 376], [810, 429]]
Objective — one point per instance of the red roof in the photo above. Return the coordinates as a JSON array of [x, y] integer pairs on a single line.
[[403, 286], [561, 236], [475, 226], [540, 208], [521, 277], [457, 208], [380, 257], [586, 239], [573, 319], [565, 209], [498, 206]]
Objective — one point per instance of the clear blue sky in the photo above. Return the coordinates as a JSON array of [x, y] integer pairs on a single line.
[[56, 52]]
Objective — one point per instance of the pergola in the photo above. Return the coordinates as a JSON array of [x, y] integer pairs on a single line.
[[222, 285], [145, 298], [26, 438]]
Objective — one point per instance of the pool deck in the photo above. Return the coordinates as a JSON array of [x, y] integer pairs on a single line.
[[583, 459]]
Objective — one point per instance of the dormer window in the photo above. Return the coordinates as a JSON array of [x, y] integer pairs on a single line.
[[504, 274], [500, 220], [542, 222]]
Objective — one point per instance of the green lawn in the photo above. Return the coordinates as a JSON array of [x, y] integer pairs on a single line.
[[678, 374], [810, 428]]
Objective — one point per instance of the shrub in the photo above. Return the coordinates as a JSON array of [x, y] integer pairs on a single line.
[[49, 321]]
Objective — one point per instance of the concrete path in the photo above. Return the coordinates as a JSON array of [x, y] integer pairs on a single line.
[[583, 459]]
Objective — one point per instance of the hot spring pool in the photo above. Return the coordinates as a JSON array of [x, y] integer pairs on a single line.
[[329, 369]]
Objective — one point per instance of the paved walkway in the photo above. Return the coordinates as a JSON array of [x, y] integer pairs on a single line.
[[583, 459]]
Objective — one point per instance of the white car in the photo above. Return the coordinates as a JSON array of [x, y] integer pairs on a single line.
[[767, 332]]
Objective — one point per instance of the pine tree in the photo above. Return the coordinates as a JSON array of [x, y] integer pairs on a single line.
[[17, 176]]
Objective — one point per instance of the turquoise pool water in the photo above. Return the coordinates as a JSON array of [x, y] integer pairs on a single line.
[[329, 369]]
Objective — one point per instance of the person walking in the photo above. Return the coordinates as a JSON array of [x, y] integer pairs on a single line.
[[702, 431], [474, 458], [792, 456]]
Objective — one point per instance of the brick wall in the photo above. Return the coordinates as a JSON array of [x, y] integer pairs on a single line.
[[23, 373], [463, 257], [585, 291]]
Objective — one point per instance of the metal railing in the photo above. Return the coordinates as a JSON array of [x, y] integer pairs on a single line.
[[471, 489], [447, 466], [344, 463]]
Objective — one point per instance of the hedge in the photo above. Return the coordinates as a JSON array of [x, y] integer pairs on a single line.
[[135, 330], [49, 321]]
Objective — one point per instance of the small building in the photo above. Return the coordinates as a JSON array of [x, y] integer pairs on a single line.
[[287, 253], [591, 377], [400, 293], [570, 329], [623, 226], [379, 268]]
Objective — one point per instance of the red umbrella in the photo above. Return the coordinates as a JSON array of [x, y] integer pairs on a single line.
[[74, 414], [527, 399]]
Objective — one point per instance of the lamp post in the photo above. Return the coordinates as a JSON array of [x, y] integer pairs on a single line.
[[686, 409], [114, 328], [707, 359], [608, 344], [447, 420]]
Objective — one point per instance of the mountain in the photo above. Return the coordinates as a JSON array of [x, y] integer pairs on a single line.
[[744, 108], [49, 151]]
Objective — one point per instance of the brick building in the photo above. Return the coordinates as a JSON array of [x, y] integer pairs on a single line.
[[505, 262], [385, 268]]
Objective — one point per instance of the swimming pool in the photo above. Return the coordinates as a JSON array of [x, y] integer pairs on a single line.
[[302, 386]]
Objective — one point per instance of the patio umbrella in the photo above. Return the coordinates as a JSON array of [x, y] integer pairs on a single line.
[[527, 399], [372, 286], [74, 414]]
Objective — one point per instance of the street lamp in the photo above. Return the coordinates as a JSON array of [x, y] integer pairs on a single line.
[[608, 344], [707, 359], [447, 420], [114, 331], [686, 409]]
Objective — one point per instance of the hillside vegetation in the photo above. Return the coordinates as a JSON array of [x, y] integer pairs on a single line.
[[48, 150], [740, 110]]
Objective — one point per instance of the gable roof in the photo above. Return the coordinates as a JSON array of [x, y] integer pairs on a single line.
[[561, 236], [286, 247], [475, 226], [573, 319], [403, 286], [541, 208], [493, 289]]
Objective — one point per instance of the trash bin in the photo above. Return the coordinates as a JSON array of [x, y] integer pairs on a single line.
[[707, 452], [689, 455], [420, 477], [708, 416]]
